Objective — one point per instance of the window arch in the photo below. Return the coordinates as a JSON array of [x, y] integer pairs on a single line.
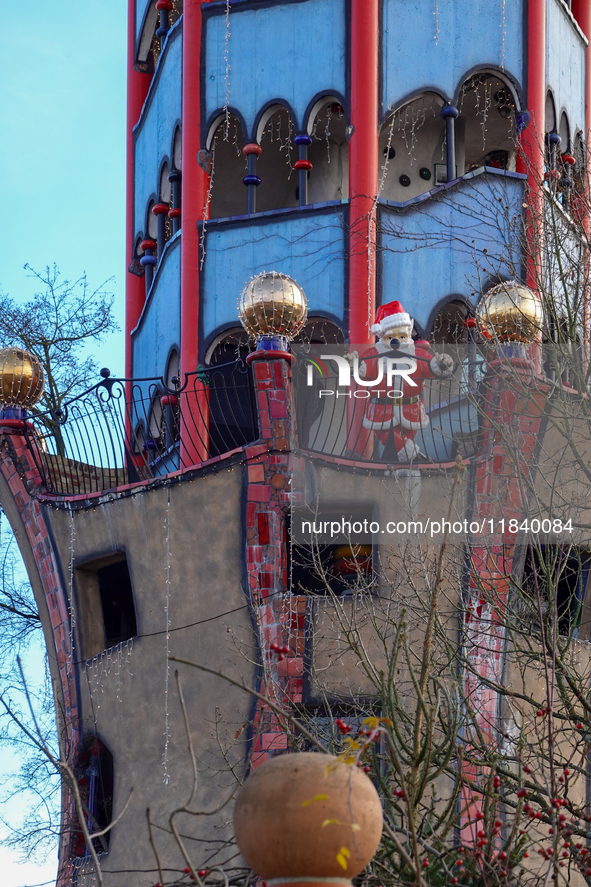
[[448, 327], [550, 113], [177, 149], [165, 192], [564, 133], [485, 129], [328, 153], [94, 774], [227, 167], [411, 143], [150, 42], [151, 222], [279, 180]]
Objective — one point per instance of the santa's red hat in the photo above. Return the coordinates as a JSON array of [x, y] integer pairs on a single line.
[[391, 316]]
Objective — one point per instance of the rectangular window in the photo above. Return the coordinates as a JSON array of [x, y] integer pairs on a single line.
[[106, 609]]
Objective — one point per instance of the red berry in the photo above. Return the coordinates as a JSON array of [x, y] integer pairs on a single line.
[[425, 863], [502, 855], [579, 726], [540, 712], [203, 872], [566, 771], [521, 793], [479, 815], [454, 880], [587, 872], [187, 870], [459, 862], [366, 769], [527, 769], [526, 854]]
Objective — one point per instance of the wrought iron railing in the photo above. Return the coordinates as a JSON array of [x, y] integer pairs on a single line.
[[124, 430], [335, 423]]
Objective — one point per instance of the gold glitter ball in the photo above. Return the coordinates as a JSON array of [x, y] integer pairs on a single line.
[[21, 378], [510, 312], [272, 304]]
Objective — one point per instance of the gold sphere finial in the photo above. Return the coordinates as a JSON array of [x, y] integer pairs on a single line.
[[510, 312], [21, 378], [272, 304]]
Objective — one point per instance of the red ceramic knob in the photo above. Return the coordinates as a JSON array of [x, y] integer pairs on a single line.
[[568, 158], [148, 244], [174, 213], [252, 149], [302, 164], [165, 4], [160, 208], [169, 400]]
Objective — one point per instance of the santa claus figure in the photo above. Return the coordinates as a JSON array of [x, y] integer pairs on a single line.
[[398, 410]]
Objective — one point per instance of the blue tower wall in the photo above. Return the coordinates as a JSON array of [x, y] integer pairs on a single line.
[[412, 60], [565, 65], [159, 327], [434, 252], [309, 246], [154, 133], [270, 58]]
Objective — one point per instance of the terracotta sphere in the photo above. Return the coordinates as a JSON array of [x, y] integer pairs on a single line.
[[273, 304], [510, 312], [293, 817], [21, 378]]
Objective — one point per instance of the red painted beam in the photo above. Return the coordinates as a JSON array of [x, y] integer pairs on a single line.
[[363, 167], [137, 90]]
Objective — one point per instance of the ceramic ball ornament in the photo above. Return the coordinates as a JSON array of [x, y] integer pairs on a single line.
[[307, 817]]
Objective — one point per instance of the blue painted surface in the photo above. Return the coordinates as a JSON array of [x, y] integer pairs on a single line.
[[435, 251], [155, 131], [271, 56], [565, 66], [159, 327], [309, 246], [470, 36]]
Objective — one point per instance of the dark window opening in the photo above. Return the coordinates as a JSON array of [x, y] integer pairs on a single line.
[[320, 567], [94, 775], [117, 604], [230, 396], [558, 574]]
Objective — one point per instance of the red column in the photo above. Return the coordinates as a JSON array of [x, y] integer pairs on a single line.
[[194, 196], [531, 158], [137, 90], [363, 167]]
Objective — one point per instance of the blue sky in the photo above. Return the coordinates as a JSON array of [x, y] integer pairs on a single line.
[[62, 154]]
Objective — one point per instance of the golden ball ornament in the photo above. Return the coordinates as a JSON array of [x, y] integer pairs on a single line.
[[510, 312], [22, 379], [272, 304]]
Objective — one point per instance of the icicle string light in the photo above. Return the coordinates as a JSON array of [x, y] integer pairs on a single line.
[[206, 208], [227, 61], [167, 645], [436, 15]]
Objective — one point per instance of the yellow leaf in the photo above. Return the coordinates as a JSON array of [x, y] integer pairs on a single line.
[[346, 852], [330, 822], [315, 798], [342, 861]]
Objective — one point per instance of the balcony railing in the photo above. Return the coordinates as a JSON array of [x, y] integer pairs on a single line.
[[125, 430]]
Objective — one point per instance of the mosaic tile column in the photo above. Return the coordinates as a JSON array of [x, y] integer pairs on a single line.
[[279, 616]]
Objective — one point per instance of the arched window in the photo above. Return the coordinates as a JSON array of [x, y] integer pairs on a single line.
[[151, 42], [230, 394], [550, 114], [227, 166], [564, 133], [485, 129], [329, 155], [449, 324], [177, 149], [279, 180], [412, 148], [166, 197], [94, 775], [151, 222]]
